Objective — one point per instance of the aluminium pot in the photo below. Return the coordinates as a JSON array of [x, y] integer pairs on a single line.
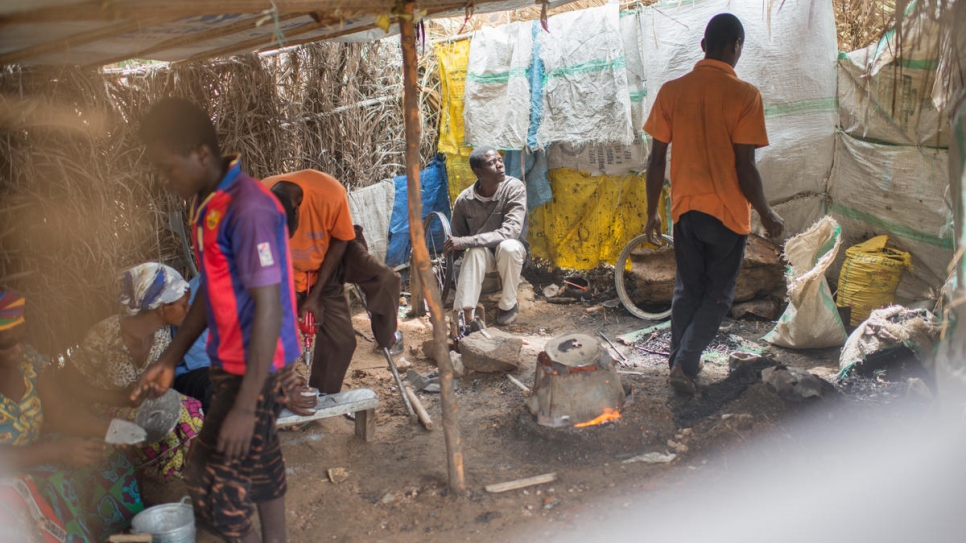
[[167, 523]]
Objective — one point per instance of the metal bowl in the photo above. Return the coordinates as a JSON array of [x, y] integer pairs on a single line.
[[167, 523], [159, 416]]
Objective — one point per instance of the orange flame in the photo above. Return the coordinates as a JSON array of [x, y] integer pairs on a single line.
[[609, 415]]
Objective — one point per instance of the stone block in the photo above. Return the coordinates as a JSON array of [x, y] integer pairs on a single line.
[[497, 353]]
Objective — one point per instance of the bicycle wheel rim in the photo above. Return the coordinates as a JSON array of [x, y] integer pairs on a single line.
[[437, 229], [619, 283]]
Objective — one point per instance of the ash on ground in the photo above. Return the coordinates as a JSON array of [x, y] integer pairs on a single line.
[[655, 348]]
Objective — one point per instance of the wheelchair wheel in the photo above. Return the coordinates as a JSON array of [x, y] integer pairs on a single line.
[[638, 245], [437, 230]]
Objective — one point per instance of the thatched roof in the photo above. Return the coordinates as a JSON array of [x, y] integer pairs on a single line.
[[100, 32]]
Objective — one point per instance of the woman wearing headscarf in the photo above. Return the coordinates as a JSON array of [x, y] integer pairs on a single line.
[[115, 352], [66, 487]]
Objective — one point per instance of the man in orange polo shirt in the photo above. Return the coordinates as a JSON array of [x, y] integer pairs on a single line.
[[716, 121], [326, 253]]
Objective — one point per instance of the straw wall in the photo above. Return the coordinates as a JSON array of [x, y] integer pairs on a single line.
[[78, 203]]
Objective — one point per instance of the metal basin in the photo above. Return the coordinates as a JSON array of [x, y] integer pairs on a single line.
[[167, 523]]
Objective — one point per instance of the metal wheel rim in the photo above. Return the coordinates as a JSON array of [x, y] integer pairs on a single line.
[[622, 289], [442, 264]]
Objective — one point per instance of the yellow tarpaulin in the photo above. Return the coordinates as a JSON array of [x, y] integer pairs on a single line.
[[459, 174], [453, 58], [590, 218]]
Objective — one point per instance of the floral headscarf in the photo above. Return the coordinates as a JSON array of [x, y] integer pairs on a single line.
[[147, 286]]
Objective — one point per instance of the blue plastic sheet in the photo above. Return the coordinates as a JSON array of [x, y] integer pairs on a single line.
[[536, 74], [538, 185], [435, 197]]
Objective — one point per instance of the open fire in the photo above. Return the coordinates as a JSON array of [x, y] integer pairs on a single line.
[[608, 416]]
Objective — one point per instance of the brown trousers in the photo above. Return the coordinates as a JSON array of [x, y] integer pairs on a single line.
[[335, 340]]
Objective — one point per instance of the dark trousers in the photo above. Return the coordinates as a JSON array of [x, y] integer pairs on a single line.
[[709, 257], [196, 384], [335, 340]]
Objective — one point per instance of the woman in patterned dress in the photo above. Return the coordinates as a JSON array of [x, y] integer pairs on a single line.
[[115, 352], [69, 487]]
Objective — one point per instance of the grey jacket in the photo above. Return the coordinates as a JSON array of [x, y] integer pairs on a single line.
[[485, 224]]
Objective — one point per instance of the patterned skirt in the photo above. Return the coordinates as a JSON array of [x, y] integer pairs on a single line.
[[50, 504], [165, 459]]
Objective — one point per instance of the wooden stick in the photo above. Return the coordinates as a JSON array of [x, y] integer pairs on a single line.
[[517, 382], [612, 346], [420, 259], [131, 538], [420, 410], [522, 483], [458, 37]]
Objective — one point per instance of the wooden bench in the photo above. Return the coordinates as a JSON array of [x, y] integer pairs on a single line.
[[362, 402]]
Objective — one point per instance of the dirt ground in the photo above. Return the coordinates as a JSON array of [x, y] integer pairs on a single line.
[[397, 487]]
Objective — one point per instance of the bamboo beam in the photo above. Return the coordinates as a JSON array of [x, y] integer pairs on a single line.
[[76, 40], [420, 259], [254, 43], [343, 32], [100, 10], [333, 35], [191, 39]]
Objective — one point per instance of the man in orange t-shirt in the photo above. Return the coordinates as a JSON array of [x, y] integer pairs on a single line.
[[716, 121], [326, 253]]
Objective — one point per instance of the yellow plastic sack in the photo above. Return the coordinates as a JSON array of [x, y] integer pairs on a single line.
[[459, 174], [870, 275], [453, 58], [589, 220]]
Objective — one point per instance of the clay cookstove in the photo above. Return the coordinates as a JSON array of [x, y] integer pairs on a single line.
[[576, 382]]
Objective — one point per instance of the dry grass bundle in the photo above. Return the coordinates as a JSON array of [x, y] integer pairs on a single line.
[[343, 109], [76, 205], [79, 203], [930, 27], [862, 22]]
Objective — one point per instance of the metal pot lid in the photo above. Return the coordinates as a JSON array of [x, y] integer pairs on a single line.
[[159, 416], [574, 350]]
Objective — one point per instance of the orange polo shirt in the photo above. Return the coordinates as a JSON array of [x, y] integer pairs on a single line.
[[324, 215], [703, 115]]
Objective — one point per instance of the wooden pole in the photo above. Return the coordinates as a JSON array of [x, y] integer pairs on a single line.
[[420, 259]]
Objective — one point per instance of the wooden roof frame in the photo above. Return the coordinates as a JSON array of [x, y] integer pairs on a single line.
[[123, 17]]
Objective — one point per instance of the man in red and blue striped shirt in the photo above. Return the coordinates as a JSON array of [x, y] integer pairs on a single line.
[[247, 301]]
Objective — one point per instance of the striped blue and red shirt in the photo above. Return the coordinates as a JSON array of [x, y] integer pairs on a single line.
[[241, 242]]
